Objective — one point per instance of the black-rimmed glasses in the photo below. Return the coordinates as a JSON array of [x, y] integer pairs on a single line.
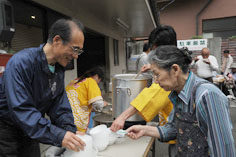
[[155, 76], [77, 50]]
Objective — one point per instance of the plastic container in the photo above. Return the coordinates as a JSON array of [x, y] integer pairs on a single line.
[[100, 137], [112, 137], [89, 150]]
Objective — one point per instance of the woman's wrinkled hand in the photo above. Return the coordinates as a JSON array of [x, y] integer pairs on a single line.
[[136, 131]]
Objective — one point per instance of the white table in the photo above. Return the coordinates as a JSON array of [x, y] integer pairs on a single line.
[[127, 147]]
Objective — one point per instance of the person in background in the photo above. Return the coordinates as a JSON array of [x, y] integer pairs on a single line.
[[200, 120], [205, 64], [154, 100], [233, 78], [32, 86], [226, 63], [143, 59], [229, 83], [84, 95], [233, 71]]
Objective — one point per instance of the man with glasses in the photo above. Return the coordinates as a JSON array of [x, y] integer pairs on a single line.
[[32, 86]]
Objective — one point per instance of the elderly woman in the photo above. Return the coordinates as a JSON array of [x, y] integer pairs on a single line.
[[200, 119]]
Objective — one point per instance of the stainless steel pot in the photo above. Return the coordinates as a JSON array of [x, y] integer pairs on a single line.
[[124, 89], [103, 118]]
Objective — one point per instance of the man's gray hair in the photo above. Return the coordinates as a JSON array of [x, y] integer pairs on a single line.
[[63, 28]]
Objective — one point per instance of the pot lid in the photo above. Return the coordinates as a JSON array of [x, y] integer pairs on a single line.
[[132, 77]]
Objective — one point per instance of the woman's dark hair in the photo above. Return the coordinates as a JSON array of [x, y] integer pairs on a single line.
[[92, 72], [62, 27], [162, 35], [145, 47], [167, 55]]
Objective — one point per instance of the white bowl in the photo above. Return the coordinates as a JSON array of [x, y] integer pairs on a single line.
[[88, 151], [112, 137], [100, 137]]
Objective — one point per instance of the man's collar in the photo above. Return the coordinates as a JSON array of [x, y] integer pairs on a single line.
[[44, 60]]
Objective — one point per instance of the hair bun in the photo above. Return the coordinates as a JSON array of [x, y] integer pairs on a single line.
[[187, 53]]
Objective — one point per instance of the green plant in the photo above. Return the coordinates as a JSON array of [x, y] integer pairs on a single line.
[[232, 37], [197, 37], [12, 51]]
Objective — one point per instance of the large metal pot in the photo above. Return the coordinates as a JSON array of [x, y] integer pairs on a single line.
[[124, 89]]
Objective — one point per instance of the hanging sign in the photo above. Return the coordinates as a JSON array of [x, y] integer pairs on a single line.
[[192, 44]]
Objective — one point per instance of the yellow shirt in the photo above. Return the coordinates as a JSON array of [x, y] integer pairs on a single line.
[[81, 96], [152, 101]]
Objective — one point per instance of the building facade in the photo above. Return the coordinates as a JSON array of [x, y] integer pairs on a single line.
[[209, 18]]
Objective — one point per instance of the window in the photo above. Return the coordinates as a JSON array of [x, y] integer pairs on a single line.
[[220, 27]]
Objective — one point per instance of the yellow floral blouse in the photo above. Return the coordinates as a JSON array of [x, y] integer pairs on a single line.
[[81, 96]]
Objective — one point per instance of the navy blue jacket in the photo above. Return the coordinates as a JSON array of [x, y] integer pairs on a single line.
[[28, 90]]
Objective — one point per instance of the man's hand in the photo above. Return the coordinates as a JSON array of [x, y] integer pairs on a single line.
[[117, 124], [196, 59], [105, 103], [146, 67], [80, 133], [207, 61], [72, 142]]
